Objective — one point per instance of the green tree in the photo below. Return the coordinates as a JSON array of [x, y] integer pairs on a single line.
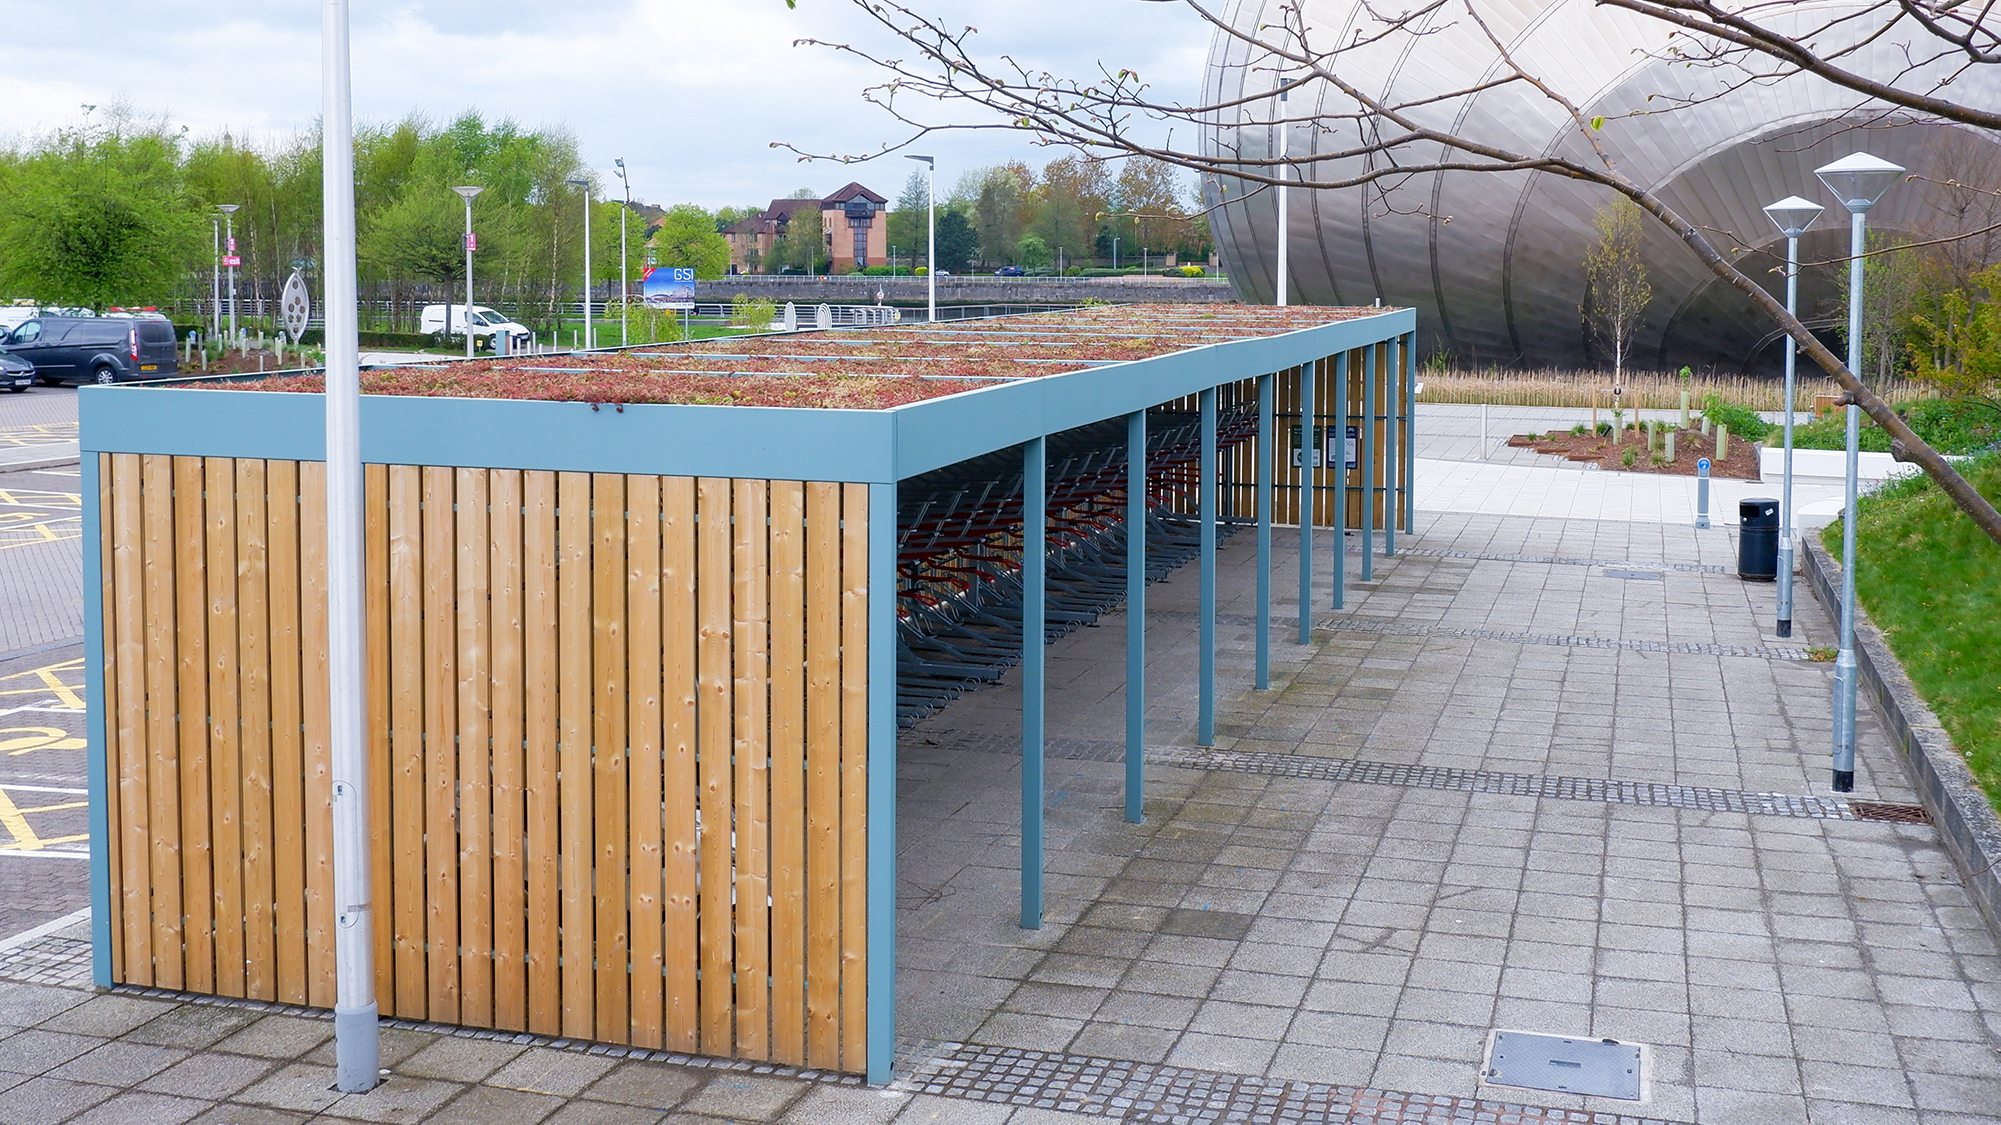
[[687, 237], [802, 246], [1033, 253], [908, 225], [1000, 209], [1616, 290], [98, 216], [418, 238], [957, 240]]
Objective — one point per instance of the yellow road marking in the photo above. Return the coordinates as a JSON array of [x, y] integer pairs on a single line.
[[55, 808], [66, 693], [39, 842], [12, 820], [26, 739]]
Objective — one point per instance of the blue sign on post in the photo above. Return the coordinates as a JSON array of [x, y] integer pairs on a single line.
[[668, 287], [1702, 464]]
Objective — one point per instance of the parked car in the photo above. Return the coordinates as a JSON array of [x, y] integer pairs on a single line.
[[1009, 271], [450, 320], [96, 349], [16, 374]]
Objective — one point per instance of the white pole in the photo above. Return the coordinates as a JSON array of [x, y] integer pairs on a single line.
[[356, 1033], [1284, 198], [1785, 622], [229, 233], [931, 234], [590, 337], [1844, 661], [215, 281]]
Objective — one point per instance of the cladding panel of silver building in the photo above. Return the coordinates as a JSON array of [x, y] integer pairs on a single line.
[[1493, 262]]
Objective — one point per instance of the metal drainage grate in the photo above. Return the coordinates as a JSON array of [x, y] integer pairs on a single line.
[[1634, 575], [1894, 814], [1601, 1068]]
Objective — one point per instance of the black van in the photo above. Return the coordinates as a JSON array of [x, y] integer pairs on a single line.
[[95, 349]]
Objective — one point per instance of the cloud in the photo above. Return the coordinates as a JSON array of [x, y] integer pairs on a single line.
[[690, 92]]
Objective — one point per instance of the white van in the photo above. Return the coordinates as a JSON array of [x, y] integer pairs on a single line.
[[449, 320]]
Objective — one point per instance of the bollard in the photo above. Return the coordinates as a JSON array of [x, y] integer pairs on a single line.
[[1702, 492], [1722, 442]]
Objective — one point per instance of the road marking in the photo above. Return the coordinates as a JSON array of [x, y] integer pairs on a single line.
[[65, 693], [45, 853], [12, 820], [26, 740], [45, 789]]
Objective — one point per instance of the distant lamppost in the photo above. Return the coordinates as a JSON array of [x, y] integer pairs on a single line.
[[589, 340], [215, 278], [1115, 251], [624, 271], [1284, 200], [931, 225], [1858, 181], [229, 259], [1791, 215], [466, 193]]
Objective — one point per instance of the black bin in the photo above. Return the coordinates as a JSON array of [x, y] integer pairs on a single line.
[[1758, 538]]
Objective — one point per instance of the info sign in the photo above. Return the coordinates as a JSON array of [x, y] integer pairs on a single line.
[[668, 287], [296, 305]]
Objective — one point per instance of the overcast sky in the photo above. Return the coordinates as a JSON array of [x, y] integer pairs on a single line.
[[689, 92]]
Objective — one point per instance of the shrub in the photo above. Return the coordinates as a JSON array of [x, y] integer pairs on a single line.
[[1743, 422], [1630, 457], [1580, 429]]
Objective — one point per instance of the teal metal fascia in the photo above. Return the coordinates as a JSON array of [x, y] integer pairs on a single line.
[[782, 443], [942, 431]]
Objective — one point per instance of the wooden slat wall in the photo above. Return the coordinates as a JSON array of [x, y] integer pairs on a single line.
[[619, 725], [1241, 469]]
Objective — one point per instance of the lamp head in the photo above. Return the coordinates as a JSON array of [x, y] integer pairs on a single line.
[[1859, 180], [466, 193], [1793, 214], [228, 208], [928, 162], [585, 184]]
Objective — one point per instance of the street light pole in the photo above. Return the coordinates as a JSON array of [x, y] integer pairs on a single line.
[[229, 240], [624, 270], [1858, 181], [931, 226], [466, 193], [1284, 200], [356, 1030], [589, 341], [1115, 251], [215, 279], [1791, 215]]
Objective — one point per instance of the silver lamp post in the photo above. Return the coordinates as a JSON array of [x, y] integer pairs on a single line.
[[466, 193], [589, 340], [356, 1032], [624, 271], [931, 226], [1284, 199], [1858, 181], [1115, 251], [1791, 215], [215, 279], [229, 236]]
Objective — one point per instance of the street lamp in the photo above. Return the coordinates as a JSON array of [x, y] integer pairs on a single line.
[[589, 340], [1284, 199], [1791, 215], [931, 226], [466, 193], [624, 271], [215, 279], [229, 236], [1115, 251], [1858, 181]]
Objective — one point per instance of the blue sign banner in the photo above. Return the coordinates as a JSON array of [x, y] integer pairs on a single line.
[[668, 287]]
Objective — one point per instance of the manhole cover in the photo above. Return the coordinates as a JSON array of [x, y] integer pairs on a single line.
[[1601, 1068], [1895, 814], [1634, 575]]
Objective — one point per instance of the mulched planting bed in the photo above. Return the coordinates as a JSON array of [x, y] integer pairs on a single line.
[[1689, 446], [866, 369]]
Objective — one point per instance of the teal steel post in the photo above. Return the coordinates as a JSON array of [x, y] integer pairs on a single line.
[[1308, 451], [1392, 464], [1368, 459], [1034, 590], [1205, 718], [1410, 438], [881, 783], [1135, 615], [95, 721], [1340, 456], [1265, 460]]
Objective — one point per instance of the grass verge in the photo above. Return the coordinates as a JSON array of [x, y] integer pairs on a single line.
[[1932, 583]]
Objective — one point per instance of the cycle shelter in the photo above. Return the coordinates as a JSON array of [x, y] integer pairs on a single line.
[[634, 670]]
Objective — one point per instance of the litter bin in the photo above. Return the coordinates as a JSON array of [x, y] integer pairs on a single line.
[[1758, 538]]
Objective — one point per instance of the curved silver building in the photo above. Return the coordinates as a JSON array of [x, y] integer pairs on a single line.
[[1493, 261]]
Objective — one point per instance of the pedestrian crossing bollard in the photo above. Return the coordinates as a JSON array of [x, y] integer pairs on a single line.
[[1702, 493]]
